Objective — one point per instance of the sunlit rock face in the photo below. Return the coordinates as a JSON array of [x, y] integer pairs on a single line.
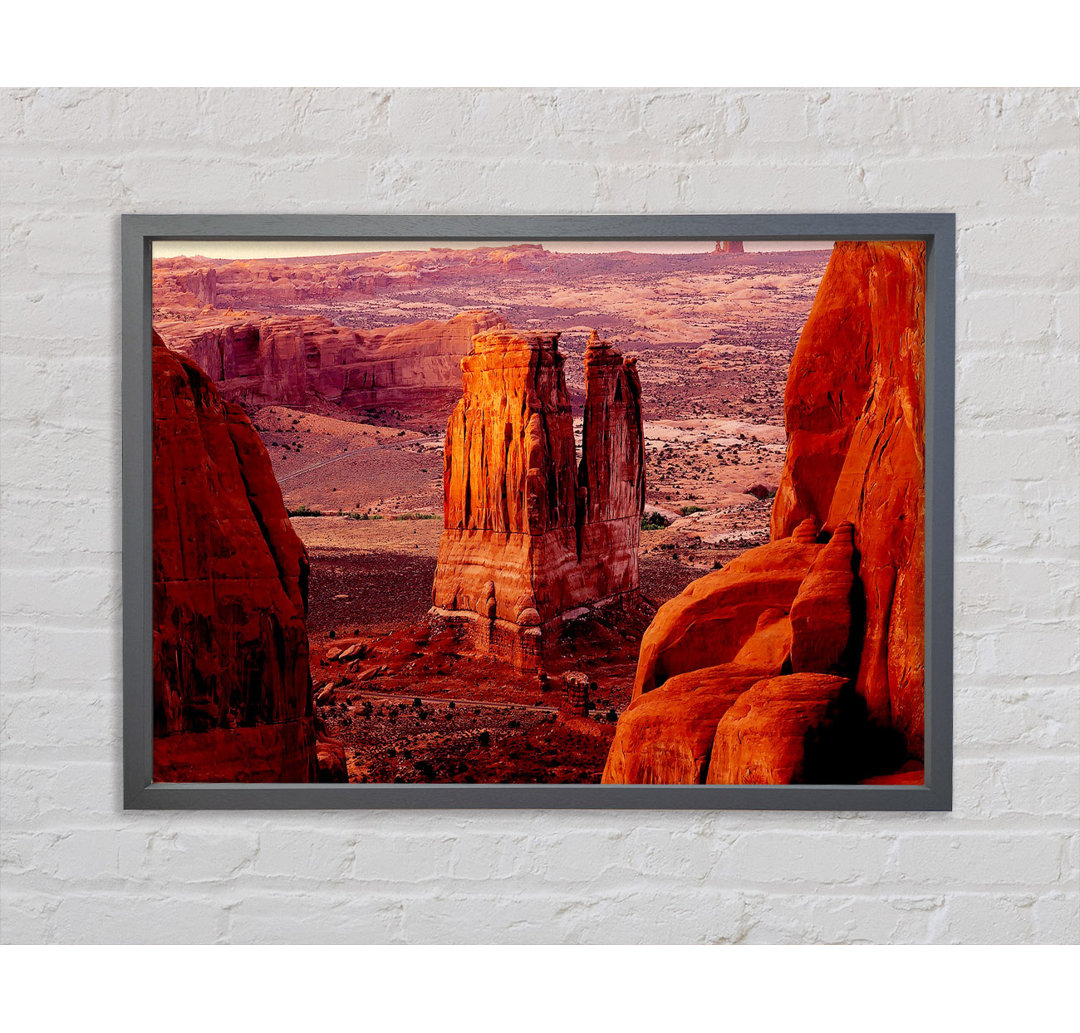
[[827, 619], [530, 532], [232, 691], [295, 360]]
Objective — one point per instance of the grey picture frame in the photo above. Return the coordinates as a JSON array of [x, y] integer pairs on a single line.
[[138, 232]]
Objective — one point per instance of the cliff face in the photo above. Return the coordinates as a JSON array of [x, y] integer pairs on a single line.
[[855, 415], [826, 621], [290, 360], [232, 693], [529, 533]]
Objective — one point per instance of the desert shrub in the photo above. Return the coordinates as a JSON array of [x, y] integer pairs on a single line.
[[304, 510], [612, 716], [687, 510], [761, 491], [653, 522], [418, 703], [484, 738]]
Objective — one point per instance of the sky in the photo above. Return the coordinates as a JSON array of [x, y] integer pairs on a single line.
[[295, 249]]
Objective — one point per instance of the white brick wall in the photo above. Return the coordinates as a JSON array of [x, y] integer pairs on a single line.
[[1003, 866]]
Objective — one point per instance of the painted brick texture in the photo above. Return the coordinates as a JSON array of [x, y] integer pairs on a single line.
[[1004, 866]]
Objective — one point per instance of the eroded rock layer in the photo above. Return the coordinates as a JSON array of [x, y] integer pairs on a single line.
[[529, 533], [232, 692], [802, 660], [293, 360]]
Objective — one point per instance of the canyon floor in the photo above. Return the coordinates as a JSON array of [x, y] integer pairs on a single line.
[[713, 340]]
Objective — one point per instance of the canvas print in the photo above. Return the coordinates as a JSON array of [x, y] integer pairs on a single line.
[[620, 512]]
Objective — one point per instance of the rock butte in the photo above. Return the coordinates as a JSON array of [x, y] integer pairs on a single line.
[[531, 534], [294, 360], [232, 691], [802, 660]]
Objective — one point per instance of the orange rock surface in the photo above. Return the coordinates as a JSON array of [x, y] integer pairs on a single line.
[[830, 621], [528, 532], [666, 736], [716, 615], [291, 360], [232, 692], [855, 417], [762, 737]]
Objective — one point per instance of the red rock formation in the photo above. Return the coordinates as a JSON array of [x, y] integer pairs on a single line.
[[831, 633], [761, 738], [232, 692], [728, 247], [854, 410], [291, 360], [821, 612], [529, 535], [716, 615], [666, 736]]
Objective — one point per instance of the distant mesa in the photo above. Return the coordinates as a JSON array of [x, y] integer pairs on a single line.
[[294, 360], [232, 689], [802, 660], [728, 247], [531, 534]]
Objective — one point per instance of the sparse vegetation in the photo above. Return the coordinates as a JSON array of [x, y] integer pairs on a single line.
[[304, 510], [688, 510]]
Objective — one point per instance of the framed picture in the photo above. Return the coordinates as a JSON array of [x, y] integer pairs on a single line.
[[630, 512]]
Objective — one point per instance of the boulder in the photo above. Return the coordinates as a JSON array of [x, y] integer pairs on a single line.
[[714, 616], [330, 760], [666, 736], [762, 738]]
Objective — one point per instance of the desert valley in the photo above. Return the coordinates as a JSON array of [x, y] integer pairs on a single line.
[[498, 464]]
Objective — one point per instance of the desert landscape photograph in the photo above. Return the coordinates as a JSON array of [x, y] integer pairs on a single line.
[[620, 512]]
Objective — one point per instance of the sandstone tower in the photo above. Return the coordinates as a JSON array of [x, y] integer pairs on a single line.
[[530, 534]]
